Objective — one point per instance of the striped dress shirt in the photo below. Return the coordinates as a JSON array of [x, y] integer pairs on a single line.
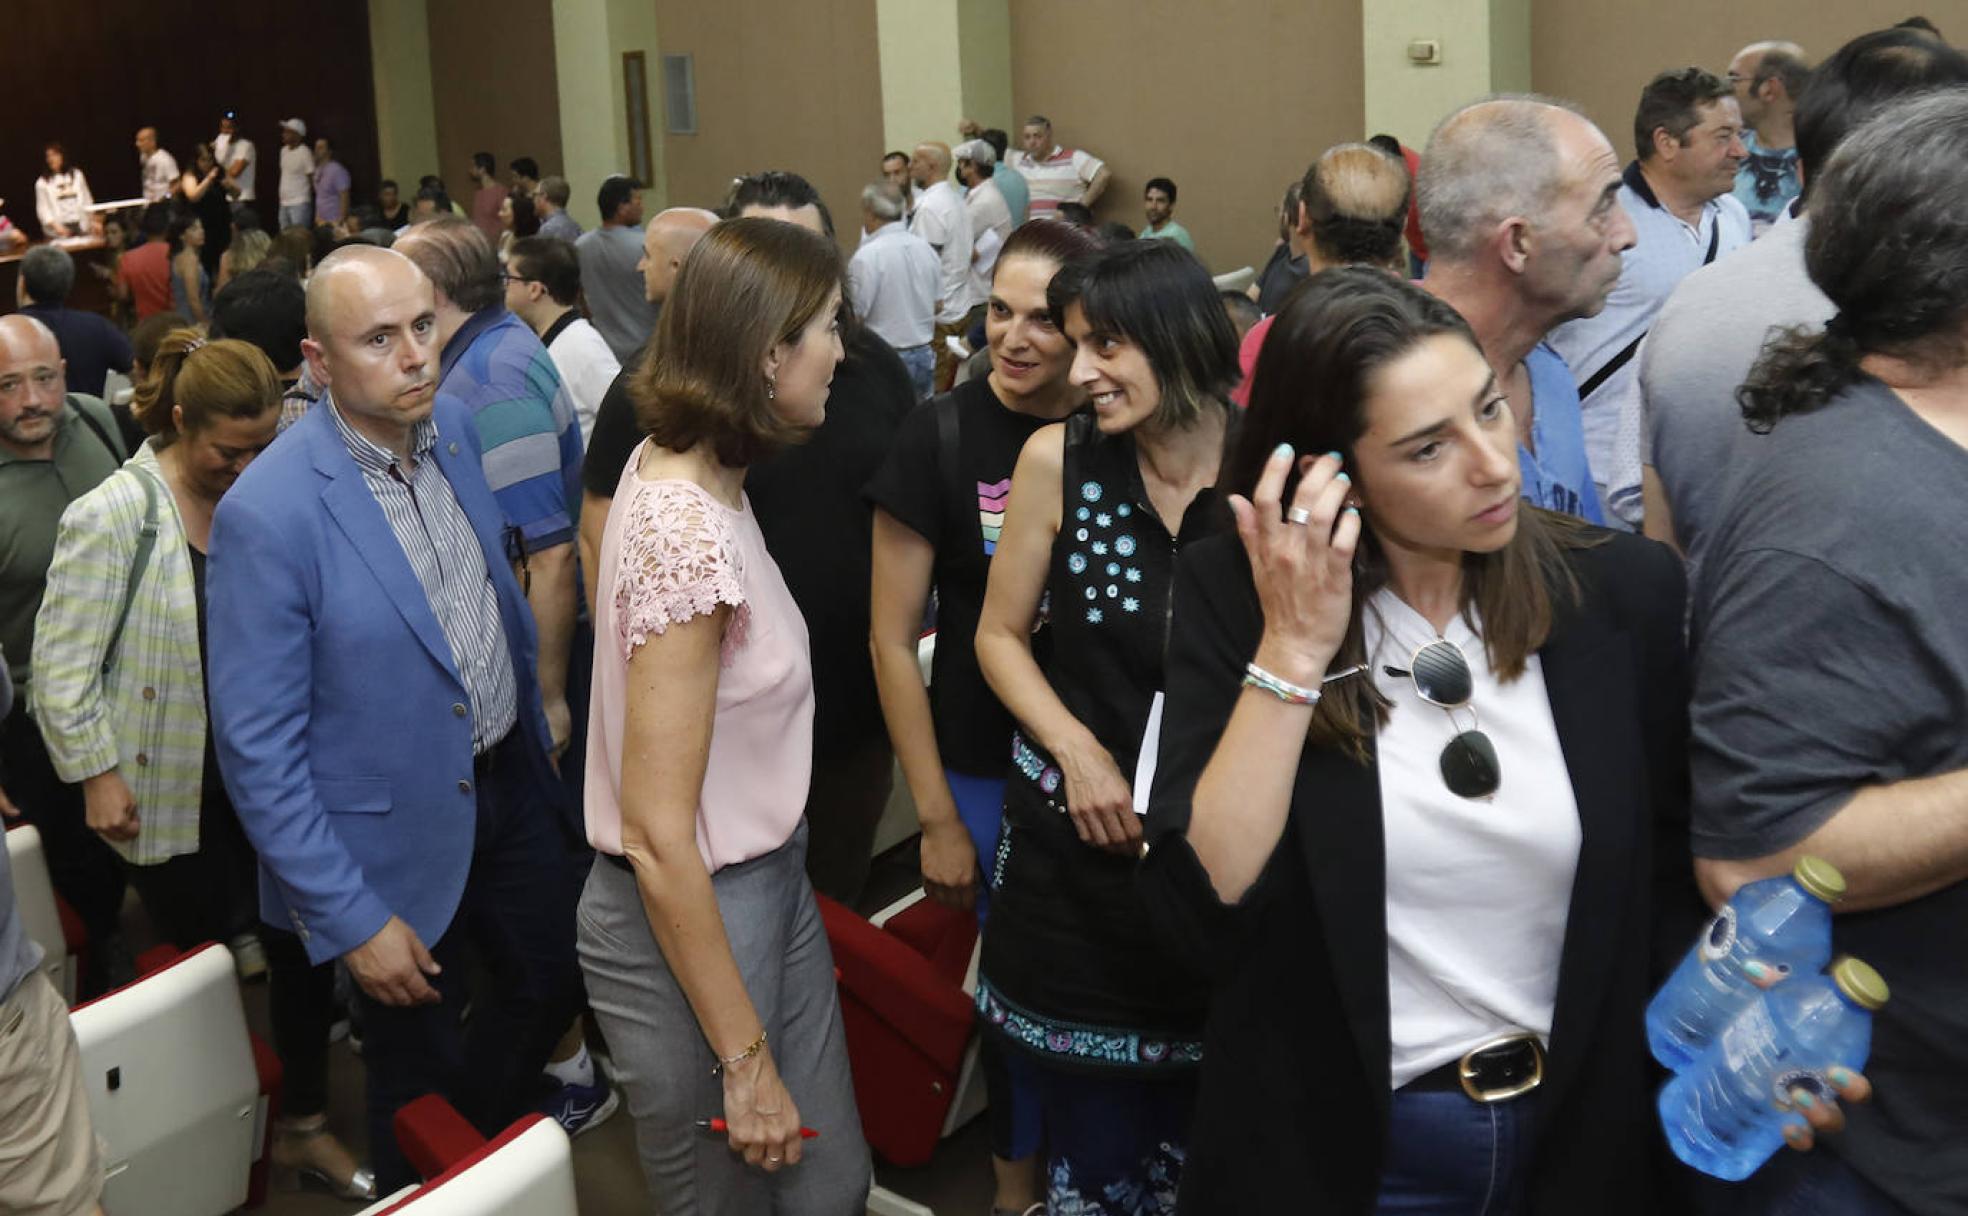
[[424, 513]]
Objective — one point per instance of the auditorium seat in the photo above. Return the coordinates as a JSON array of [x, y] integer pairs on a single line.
[[44, 916], [175, 1089], [908, 1020], [527, 1170]]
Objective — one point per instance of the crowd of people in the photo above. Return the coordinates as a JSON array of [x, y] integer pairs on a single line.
[[1349, 693]]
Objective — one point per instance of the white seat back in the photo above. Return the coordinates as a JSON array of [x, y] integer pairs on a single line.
[[530, 1175], [34, 894], [173, 1091]]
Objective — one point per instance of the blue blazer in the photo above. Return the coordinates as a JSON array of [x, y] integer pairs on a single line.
[[339, 715]]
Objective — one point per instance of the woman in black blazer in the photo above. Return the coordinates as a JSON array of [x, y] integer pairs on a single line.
[[1428, 968]]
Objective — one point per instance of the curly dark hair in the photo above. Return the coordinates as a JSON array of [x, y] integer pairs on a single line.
[[1889, 246]]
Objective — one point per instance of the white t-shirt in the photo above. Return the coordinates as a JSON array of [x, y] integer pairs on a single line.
[[296, 176], [1478, 891], [587, 367], [941, 220], [160, 176], [990, 227], [1062, 177], [229, 148]]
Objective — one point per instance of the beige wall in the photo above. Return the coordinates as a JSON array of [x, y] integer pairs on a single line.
[[1403, 98], [921, 68], [406, 123], [790, 84], [1600, 53], [492, 88], [1230, 110]]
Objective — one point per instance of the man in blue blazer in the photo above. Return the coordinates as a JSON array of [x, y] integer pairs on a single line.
[[377, 717]]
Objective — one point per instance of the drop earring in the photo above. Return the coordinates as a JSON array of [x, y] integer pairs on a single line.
[[771, 388]]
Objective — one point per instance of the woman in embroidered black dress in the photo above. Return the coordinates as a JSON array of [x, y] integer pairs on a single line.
[[1069, 974]]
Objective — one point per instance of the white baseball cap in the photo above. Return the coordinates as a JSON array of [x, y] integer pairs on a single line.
[[295, 125]]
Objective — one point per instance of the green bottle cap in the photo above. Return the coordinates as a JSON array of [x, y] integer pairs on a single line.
[[1860, 982], [1820, 878]]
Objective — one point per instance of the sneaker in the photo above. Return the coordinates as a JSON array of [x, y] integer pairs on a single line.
[[248, 957], [577, 1108]]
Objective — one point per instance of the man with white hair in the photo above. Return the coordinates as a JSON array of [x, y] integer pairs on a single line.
[[893, 281], [940, 218], [1520, 200], [990, 215]]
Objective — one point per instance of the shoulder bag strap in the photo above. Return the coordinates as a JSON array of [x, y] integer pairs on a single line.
[[82, 411], [146, 542], [1627, 352]]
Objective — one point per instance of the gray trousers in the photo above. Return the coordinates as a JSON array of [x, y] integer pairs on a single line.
[[664, 1064]]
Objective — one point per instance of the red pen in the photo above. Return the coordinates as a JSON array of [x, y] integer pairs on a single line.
[[717, 1127]]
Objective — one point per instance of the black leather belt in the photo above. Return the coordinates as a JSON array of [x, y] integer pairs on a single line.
[[1495, 1072]]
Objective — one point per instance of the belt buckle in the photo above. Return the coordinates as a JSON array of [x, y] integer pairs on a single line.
[[1466, 1071]]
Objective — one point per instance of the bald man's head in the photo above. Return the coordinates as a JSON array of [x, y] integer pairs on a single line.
[[33, 383], [666, 241], [1492, 159], [1352, 206], [930, 164], [372, 339]]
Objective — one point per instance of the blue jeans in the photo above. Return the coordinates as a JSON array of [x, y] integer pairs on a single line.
[[1449, 1156], [1816, 1183], [921, 362], [298, 215]]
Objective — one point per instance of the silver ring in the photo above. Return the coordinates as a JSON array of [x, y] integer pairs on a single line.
[[775, 1160], [1298, 515]]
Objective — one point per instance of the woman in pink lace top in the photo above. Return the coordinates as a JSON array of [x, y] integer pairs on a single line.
[[699, 936]]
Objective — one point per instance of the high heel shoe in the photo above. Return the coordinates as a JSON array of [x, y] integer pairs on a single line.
[[288, 1153]]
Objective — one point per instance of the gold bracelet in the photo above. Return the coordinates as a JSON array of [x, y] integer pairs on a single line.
[[725, 1062]]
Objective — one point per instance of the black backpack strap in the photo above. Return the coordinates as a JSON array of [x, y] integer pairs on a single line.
[[82, 412], [960, 500]]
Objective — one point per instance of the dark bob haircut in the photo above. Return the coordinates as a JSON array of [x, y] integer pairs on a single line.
[[1156, 295]]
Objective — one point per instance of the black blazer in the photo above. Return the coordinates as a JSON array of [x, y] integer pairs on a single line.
[[1293, 1109]]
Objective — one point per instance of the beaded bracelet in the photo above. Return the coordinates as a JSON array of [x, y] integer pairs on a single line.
[[725, 1062], [1284, 690]]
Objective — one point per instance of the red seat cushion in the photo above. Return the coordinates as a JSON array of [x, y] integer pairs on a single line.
[[907, 1028], [435, 1137]]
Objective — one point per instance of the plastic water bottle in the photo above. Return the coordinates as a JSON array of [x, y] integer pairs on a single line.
[[1725, 1115], [1783, 923]]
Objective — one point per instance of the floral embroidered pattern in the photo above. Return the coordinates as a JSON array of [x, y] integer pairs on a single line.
[[679, 559], [1033, 765], [1077, 1042], [1148, 1193]]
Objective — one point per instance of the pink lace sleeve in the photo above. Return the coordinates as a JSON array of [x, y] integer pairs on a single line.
[[679, 559]]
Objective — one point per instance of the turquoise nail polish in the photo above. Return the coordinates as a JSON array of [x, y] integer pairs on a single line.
[[1755, 970], [1802, 1099], [1283, 449], [1352, 510], [1841, 1077], [1343, 477], [1336, 456]]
